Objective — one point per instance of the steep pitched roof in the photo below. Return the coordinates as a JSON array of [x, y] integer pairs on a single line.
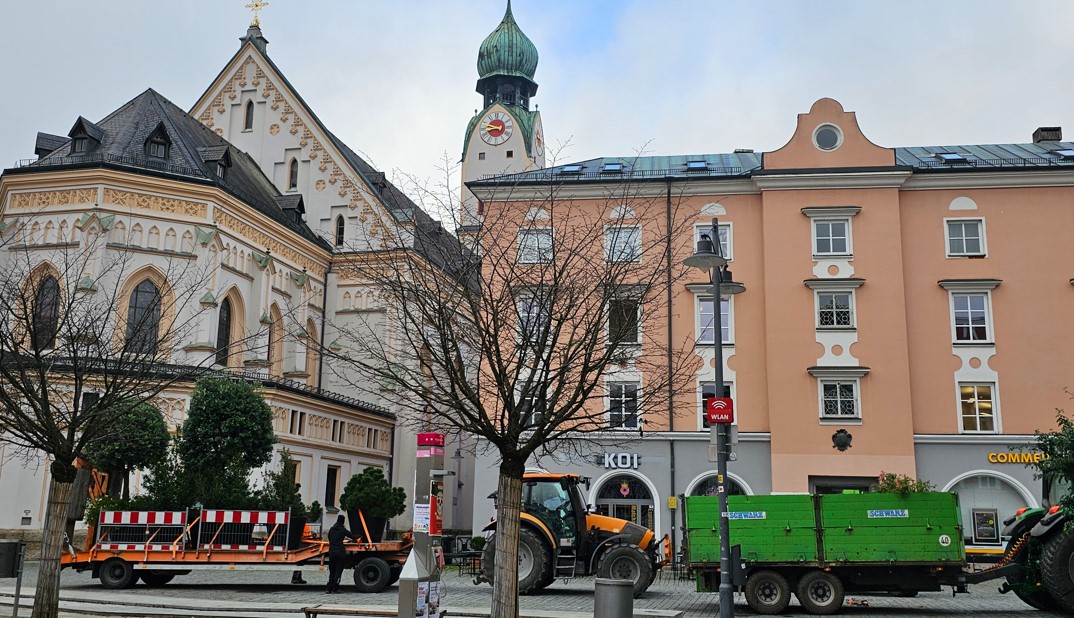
[[193, 155], [439, 246]]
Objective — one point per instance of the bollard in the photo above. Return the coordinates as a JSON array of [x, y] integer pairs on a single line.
[[613, 598]]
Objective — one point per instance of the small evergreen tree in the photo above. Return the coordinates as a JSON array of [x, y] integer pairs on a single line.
[[138, 438], [373, 494], [228, 433]]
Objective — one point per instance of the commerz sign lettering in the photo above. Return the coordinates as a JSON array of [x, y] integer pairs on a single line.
[[1016, 458]]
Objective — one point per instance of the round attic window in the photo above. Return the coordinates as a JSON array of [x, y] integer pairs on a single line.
[[827, 137]]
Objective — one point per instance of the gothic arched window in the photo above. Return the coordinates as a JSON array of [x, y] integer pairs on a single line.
[[46, 313], [143, 318], [340, 229], [248, 119], [223, 333], [292, 175]]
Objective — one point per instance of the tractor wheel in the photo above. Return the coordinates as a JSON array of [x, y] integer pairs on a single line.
[[820, 593], [767, 592], [627, 561], [1055, 569], [156, 579], [372, 575], [1027, 584], [548, 580], [117, 573], [534, 561], [395, 571]]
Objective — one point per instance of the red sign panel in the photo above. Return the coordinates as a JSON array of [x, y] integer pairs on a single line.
[[430, 439], [720, 410], [436, 508]]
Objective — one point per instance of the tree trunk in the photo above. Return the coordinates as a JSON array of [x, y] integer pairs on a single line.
[[47, 598], [509, 500]]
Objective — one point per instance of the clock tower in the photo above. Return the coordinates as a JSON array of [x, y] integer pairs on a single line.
[[506, 136]]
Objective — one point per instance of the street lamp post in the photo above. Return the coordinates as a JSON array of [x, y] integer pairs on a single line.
[[709, 258]]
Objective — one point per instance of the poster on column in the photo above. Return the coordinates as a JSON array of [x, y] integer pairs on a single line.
[[421, 517], [433, 606], [422, 604], [436, 507]]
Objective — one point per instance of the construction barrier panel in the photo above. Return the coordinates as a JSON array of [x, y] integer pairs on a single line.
[[140, 530], [223, 530]]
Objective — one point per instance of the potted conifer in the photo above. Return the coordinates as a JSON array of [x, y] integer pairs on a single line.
[[371, 494]]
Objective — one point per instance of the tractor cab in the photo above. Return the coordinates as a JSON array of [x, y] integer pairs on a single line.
[[557, 502]]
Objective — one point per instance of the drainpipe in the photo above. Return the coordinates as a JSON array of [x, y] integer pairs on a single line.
[[671, 360], [324, 320]]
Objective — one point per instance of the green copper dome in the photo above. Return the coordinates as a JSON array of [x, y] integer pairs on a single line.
[[507, 51]]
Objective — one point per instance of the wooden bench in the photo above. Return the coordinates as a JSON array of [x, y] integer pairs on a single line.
[[339, 610]]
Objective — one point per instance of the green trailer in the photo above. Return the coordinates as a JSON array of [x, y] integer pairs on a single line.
[[821, 547]]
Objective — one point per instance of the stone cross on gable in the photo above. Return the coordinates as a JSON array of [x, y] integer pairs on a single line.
[[256, 6]]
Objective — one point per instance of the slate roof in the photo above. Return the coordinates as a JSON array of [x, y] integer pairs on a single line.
[[192, 156], [992, 157]]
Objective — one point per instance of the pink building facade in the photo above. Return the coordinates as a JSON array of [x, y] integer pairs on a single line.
[[913, 298]]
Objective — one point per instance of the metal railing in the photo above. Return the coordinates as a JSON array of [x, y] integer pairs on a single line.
[[559, 174], [1020, 162], [122, 160]]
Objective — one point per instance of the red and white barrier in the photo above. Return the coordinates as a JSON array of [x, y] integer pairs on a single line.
[[269, 518], [240, 547], [150, 518], [133, 547]]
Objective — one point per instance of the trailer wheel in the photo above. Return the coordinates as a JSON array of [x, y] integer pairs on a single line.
[[396, 571], [117, 573], [767, 592], [820, 593], [156, 579], [372, 574], [1027, 584], [1055, 569], [627, 561], [534, 562]]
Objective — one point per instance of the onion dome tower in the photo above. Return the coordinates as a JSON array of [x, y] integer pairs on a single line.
[[506, 63]]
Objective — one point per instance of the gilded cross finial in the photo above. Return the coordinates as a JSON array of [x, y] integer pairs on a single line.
[[256, 6]]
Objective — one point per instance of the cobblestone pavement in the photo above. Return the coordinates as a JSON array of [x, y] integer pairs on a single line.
[[667, 593]]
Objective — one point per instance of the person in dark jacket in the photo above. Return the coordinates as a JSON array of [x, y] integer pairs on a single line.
[[337, 553]]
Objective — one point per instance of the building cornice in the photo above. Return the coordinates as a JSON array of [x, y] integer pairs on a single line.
[[991, 180], [832, 180]]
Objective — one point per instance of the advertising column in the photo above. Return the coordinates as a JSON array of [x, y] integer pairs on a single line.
[[419, 585]]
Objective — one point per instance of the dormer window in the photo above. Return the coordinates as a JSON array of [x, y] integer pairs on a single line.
[[82, 134], [221, 170], [158, 143], [158, 149], [78, 144]]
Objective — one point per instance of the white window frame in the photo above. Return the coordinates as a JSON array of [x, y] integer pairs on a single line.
[[608, 324], [730, 386], [849, 237], [621, 257], [982, 237], [830, 214], [996, 428], [637, 405], [727, 244], [524, 306], [837, 375], [535, 397], [529, 245], [990, 335], [856, 383], [852, 308], [699, 329]]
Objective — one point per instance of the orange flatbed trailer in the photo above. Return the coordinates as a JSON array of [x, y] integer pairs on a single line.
[[121, 565]]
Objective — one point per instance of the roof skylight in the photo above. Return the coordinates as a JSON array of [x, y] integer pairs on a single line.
[[1065, 153], [612, 168], [951, 158], [697, 166], [573, 168]]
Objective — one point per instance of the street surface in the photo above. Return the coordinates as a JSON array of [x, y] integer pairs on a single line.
[[239, 588]]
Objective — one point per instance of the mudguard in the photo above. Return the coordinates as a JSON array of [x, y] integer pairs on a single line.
[[1049, 524]]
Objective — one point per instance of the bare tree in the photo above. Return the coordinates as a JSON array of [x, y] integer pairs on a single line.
[[86, 330], [516, 340]]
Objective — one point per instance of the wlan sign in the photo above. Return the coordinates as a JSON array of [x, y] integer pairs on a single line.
[[719, 410]]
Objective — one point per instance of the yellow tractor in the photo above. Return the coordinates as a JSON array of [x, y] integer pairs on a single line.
[[559, 539]]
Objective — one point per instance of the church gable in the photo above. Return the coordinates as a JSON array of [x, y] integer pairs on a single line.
[[253, 106]]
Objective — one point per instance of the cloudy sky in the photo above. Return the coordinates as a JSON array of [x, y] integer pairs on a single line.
[[395, 79]]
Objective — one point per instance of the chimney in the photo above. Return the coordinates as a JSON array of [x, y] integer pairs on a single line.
[[1048, 134]]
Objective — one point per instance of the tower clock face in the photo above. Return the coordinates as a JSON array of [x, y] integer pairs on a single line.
[[496, 128], [538, 141]]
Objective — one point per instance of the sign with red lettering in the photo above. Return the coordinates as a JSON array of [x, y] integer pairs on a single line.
[[719, 409]]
